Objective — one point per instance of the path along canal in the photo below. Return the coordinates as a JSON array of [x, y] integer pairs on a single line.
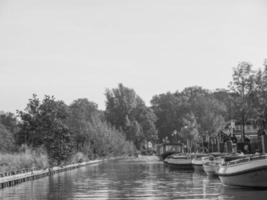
[[127, 179]]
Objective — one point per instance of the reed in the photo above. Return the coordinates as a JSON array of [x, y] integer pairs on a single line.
[[27, 159]]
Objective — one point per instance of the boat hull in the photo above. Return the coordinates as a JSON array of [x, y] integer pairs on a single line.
[[179, 163], [198, 168], [197, 164], [254, 178], [211, 169], [250, 173], [180, 166]]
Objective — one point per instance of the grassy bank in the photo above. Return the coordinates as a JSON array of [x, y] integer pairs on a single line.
[[32, 159], [27, 159]]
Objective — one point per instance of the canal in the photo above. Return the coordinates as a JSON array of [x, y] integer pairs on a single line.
[[127, 179]]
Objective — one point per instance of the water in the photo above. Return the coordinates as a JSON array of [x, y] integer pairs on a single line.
[[127, 179]]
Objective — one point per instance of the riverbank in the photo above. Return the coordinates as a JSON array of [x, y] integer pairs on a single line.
[[10, 179]]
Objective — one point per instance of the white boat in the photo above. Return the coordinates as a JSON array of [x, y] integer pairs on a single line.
[[211, 165], [180, 161], [197, 162], [250, 171]]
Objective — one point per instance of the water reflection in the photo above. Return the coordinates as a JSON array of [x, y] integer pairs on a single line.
[[128, 179]]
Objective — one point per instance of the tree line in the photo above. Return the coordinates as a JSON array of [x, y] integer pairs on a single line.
[[127, 123]]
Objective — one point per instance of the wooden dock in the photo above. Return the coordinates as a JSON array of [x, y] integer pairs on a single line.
[[14, 178]]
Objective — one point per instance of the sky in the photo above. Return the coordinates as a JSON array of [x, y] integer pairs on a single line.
[[78, 48]]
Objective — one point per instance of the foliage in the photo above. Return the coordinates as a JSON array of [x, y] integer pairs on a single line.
[[243, 85], [108, 141], [7, 143], [192, 113], [92, 135], [44, 124], [25, 159], [58, 128], [189, 131], [81, 131], [209, 115], [9, 121], [229, 100], [81, 112], [169, 109], [260, 96], [8, 128], [126, 111]]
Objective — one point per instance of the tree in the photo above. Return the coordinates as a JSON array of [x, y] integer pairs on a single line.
[[243, 85], [189, 131], [44, 124], [146, 118], [82, 113], [210, 119], [169, 109], [9, 120], [120, 104], [8, 129], [229, 100], [259, 96], [127, 111], [194, 108], [7, 142], [207, 111]]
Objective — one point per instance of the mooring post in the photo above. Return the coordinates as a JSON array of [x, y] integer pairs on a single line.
[[264, 143]]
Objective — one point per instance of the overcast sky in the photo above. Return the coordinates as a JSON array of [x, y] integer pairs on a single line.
[[78, 48]]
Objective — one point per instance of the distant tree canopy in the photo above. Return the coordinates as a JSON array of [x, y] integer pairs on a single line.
[[91, 134], [245, 99], [64, 130], [228, 98], [127, 111], [127, 123], [192, 113]]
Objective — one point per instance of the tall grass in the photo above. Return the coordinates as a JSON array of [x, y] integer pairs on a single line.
[[108, 141], [26, 159]]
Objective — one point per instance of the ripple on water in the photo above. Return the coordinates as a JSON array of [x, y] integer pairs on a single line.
[[128, 179]]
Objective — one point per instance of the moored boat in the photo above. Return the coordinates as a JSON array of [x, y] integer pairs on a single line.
[[197, 162], [179, 161], [250, 171], [211, 165]]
